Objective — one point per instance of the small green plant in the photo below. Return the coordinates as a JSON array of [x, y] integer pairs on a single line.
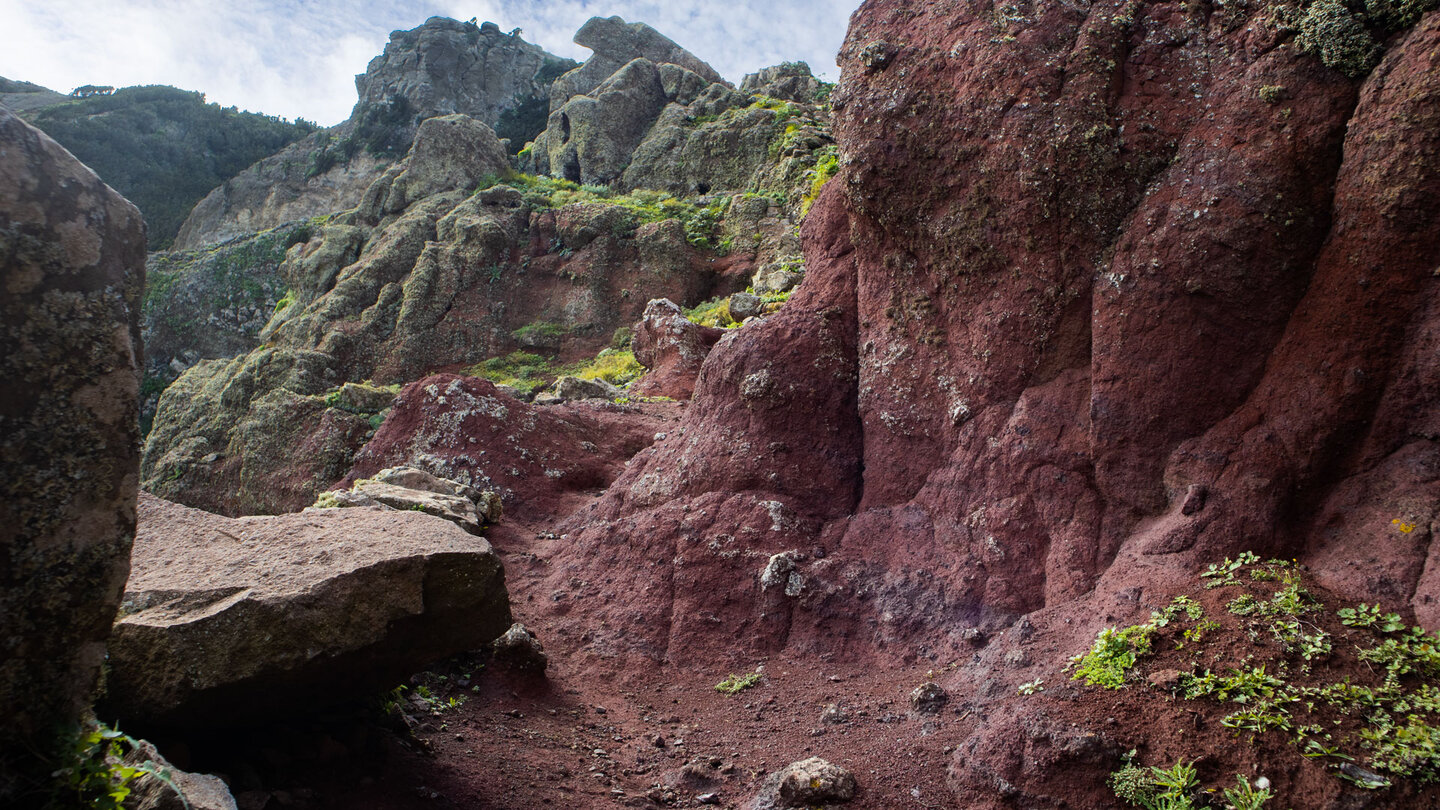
[[1112, 656], [1155, 788], [1364, 615], [1245, 796], [612, 366], [99, 777], [737, 683], [1031, 687]]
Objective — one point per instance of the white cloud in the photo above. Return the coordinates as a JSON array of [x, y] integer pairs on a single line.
[[298, 58]]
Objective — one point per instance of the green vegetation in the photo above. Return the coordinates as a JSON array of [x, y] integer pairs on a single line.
[[827, 165], [527, 372], [1345, 686], [163, 148], [523, 371], [241, 273], [644, 205], [1155, 788], [737, 683], [540, 333], [1348, 36], [97, 775], [615, 366]]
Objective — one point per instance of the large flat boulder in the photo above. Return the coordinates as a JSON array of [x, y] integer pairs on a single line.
[[72, 265], [236, 621]]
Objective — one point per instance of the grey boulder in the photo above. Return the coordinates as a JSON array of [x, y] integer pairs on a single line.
[[240, 621]]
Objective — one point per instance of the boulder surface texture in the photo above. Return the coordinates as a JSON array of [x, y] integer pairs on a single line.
[[231, 622], [72, 262]]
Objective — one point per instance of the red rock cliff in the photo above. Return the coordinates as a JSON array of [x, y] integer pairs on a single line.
[[1102, 293]]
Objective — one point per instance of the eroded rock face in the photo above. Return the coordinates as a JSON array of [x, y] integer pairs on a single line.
[[278, 190], [616, 43], [1036, 320], [445, 67], [440, 68], [464, 429], [791, 81], [422, 276], [72, 267], [672, 348], [234, 622], [643, 112]]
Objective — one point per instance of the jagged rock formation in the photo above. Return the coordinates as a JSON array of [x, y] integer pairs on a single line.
[[445, 67], [285, 187], [440, 68], [791, 81], [642, 112], [73, 268], [1075, 345], [240, 622], [615, 44], [422, 276], [672, 349]]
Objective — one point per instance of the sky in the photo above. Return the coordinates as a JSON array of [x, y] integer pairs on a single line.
[[298, 58]]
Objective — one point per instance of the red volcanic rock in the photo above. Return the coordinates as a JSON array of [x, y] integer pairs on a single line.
[[671, 347], [1091, 304], [464, 429]]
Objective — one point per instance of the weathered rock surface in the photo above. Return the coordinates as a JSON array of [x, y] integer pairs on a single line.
[[653, 116], [72, 267], [388, 295], [409, 489], [671, 348], [807, 783], [445, 67], [616, 43], [185, 791], [463, 429], [1068, 279], [570, 387], [591, 136], [233, 622], [440, 68], [452, 152], [278, 190], [791, 81]]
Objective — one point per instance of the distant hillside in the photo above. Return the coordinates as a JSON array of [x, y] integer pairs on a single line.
[[164, 148]]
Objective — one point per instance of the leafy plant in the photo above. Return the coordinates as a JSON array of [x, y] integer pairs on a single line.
[[737, 683], [98, 775], [1155, 788], [1245, 796]]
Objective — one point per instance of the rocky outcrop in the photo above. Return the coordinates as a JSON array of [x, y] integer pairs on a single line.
[[593, 135], [672, 348], [291, 185], [465, 430], [1072, 344], [72, 266], [446, 67], [643, 112], [423, 276], [615, 44], [209, 304], [236, 622], [790, 81], [1060, 344], [409, 489], [452, 152], [441, 68]]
